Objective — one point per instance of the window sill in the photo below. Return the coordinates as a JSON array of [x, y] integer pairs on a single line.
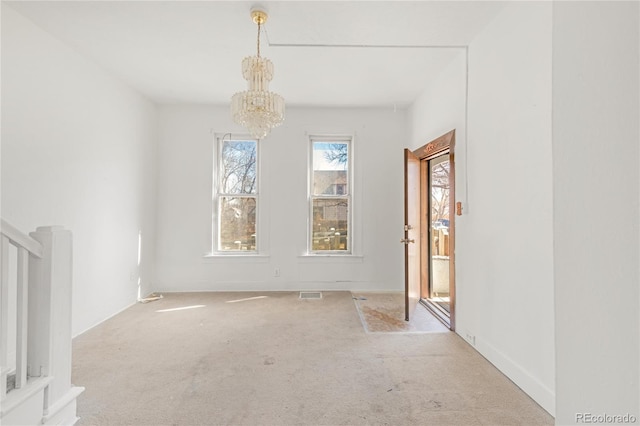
[[236, 257], [330, 258]]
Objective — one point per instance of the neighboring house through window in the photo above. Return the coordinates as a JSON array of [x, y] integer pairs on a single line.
[[236, 195], [330, 195]]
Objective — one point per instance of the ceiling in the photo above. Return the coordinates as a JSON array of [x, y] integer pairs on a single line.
[[341, 53]]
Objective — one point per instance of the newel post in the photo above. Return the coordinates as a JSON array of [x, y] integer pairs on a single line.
[[49, 344]]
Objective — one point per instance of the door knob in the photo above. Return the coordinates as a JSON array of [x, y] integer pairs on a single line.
[[407, 240]]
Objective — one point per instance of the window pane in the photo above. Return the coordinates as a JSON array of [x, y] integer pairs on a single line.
[[238, 174], [330, 168], [237, 223], [330, 223]]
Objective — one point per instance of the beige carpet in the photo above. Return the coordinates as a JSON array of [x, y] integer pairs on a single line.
[[385, 313], [273, 359]]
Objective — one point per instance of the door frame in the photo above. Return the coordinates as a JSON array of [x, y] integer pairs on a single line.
[[425, 153]]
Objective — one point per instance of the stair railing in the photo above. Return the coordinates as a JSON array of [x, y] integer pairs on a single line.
[[40, 320]]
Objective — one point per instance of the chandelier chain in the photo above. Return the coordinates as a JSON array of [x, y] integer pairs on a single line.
[[258, 38]]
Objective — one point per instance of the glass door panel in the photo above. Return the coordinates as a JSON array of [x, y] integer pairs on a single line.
[[439, 187]]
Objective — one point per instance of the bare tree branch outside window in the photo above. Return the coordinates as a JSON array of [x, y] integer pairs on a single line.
[[440, 191], [338, 153], [237, 200], [239, 167]]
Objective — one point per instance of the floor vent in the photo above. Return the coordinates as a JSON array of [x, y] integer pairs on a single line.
[[310, 295]]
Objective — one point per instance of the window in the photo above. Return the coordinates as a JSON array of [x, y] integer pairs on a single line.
[[330, 195], [236, 195]]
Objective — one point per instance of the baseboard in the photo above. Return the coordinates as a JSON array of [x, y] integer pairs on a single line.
[[103, 320], [245, 286], [544, 396]]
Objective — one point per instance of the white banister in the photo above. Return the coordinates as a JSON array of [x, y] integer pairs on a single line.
[[21, 320], [26, 246], [4, 315], [50, 309], [43, 284], [19, 239]]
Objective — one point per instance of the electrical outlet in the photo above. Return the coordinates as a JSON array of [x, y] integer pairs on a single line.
[[276, 272], [471, 338]]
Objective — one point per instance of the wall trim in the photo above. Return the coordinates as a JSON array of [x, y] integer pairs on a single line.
[[540, 393], [103, 320], [272, 286]]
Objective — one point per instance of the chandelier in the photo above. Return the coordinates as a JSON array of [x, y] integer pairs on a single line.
[[258, 109]]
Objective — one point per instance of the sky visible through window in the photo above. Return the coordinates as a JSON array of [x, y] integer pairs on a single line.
[[330, 156]]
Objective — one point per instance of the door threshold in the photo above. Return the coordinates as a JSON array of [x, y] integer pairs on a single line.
[[437, 312]]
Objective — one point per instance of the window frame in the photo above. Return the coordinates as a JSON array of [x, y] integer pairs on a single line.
[[217, 195], [349, 195]]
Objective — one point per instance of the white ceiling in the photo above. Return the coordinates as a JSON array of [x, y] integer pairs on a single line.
[[342, 53]]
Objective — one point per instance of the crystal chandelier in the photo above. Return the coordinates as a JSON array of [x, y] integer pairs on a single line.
[[258, 109]]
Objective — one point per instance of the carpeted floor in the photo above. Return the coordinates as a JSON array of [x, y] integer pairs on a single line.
[[273, 359]]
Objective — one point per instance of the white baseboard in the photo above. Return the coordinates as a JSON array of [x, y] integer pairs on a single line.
[[103, 320], [274, 285], [540, 393]]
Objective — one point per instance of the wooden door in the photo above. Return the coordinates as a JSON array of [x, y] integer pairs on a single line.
[[411, 240]]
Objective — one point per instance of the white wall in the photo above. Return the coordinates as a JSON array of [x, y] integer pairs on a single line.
[[504, 239], [440, 108], [596, 213], [185, 168], [504, 244], [78, 150]]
